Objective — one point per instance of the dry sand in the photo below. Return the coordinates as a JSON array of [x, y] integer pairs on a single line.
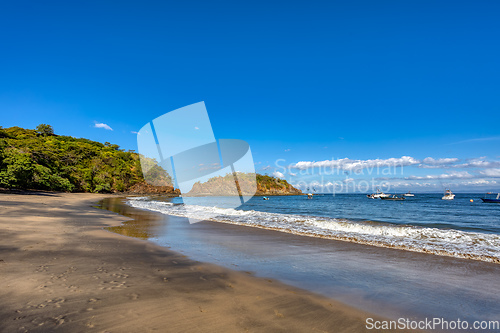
[[60, 271]]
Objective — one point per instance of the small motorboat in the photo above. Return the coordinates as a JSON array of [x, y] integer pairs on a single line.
[[393, 197], [378, 195], [408, 194], [492, 199], [265, 198], [448, 195]]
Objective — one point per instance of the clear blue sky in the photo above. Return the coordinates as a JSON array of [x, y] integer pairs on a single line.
[[301, 81]]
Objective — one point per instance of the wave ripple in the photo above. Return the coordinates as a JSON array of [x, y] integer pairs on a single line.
[[447, 242]]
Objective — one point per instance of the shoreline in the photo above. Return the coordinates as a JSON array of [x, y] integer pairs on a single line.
[[429, 246], [62, 271], [389, 282]]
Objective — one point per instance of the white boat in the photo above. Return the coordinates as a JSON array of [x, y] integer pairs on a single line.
[[378, 195], [448, 195], [409, 194]]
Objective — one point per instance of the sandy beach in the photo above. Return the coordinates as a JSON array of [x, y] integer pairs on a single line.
[[60, 271]]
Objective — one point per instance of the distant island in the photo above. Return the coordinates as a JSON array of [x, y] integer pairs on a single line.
[[41, 160], [225, 185]]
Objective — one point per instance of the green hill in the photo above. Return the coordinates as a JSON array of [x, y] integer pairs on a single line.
[[267, 185], [39, 159], [225, 185]]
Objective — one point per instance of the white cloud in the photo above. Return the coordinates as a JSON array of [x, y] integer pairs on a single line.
[[427, 166], [457, 172], [196, 128], [348, 164], [400, 183], [480, 182], [212, 166], [103, 125], [134, 132], [491, 172], [431, 163], [267, 167], [278, 174], [287, 150], [439, 161], [477, 140], [478, 163], [451, 163], [406, 184], [450, 175]]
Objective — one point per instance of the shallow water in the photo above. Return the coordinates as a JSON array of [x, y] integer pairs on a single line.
[[387, 282], [425, 223]]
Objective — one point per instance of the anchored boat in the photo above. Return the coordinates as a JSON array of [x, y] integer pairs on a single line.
[[448, 195], [492, 199], [378, 195], [393, 198]]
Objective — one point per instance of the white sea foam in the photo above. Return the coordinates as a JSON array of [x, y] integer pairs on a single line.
[[449, 242]]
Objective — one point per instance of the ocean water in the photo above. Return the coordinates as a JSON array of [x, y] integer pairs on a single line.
[[378, 279], [423, 223]]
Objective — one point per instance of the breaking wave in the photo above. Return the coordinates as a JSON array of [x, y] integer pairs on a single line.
[[447, 242]]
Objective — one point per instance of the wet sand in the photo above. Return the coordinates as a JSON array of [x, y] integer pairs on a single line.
[[388, 282], [60, 271]]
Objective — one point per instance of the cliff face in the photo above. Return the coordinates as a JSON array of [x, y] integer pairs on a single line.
[[225, 186], [144, 188]]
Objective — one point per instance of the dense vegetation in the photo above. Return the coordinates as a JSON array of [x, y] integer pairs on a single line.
[[245, 182], [38, 159], [268, 185]]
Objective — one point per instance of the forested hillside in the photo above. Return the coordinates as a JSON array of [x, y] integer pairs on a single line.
[[225, 185], [38, 159]]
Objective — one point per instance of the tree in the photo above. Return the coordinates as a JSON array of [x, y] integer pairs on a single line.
[[44, 129], [17, 170], [2, 133], [34, 159]]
